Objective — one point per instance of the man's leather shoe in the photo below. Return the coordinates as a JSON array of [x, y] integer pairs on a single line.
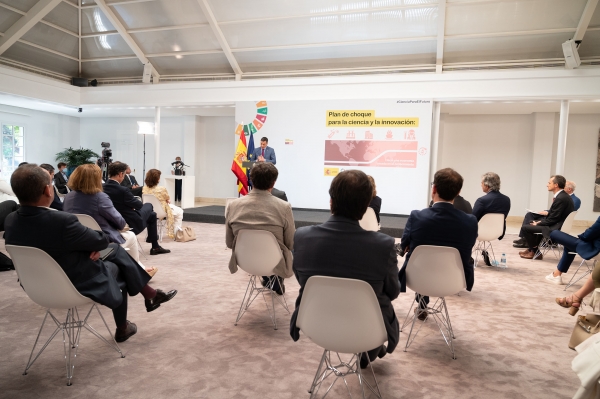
[[159, 250], [521, 245], [161, 297], [486, 258], [519, 240], [421, 314], [530, 254], [123, 335]]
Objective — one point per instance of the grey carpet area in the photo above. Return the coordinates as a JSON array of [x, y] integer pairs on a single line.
[[511, 339], [392, 225]]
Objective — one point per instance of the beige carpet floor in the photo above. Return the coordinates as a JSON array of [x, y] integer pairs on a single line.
[[511, 339]]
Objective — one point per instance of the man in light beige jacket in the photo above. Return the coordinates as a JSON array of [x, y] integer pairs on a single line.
[[259, 210]]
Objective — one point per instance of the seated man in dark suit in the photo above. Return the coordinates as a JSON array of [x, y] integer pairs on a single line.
[[279, 194], [492, 202], [570, 189], [562, 206], [459, 203], [61, 179], [341, 248], [441, 225], [76, 249], [586, 245], [131, 183], [137, 215], [56, 202]]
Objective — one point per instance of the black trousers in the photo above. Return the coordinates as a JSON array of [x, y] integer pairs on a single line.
[[178, 190], [149, 222], [137, 191], [533, 240], [529, 217], [6, 208], [130, 276]]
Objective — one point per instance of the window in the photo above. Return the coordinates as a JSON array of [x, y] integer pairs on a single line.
[[12, 148]]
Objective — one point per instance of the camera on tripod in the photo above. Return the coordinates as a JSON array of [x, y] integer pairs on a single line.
[[105, 160]]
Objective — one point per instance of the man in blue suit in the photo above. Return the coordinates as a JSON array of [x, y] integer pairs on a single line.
[[441, 225], [570, 189], [264, 153], [587, 245]]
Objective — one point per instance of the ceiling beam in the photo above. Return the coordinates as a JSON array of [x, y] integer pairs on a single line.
[[16, 10], [112, 17], [584, 22], [143, 30], [439, 58], [26, 22], [118, 3], [212, 21]]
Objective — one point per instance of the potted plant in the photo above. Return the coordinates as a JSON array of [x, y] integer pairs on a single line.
[[75, 157]]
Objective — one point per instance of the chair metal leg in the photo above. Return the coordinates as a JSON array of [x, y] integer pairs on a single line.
[[140, 248], [71, 331], [440, 315], [342, 369], [253, 290], [587, 272]]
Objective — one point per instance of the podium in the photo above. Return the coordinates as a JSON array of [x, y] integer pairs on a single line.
[[188, 189]]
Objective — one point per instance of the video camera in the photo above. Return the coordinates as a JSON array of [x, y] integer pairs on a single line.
[[105, 160]]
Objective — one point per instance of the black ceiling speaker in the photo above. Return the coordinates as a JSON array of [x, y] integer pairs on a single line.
[[79, 82], [93, 83]]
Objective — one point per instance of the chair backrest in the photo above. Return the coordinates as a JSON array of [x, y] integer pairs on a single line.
[[258, 263], [88, 221], [59, 194], [369, 220], [567, 225], [435, 271], [228, 201], [341, 315], [43, 279], [158, 208], [491, 226]]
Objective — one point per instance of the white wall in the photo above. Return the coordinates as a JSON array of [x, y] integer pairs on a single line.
[[215, 147], [45, 133], [580, 160], [475, 144], [522, 150]]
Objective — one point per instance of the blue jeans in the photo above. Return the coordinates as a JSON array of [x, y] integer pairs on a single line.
[[570, 244]]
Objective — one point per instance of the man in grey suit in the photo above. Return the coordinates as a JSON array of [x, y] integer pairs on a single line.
[[260, 210], [264, 153], [341, 248]]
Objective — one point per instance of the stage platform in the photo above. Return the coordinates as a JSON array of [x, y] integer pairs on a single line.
[[392, 225]]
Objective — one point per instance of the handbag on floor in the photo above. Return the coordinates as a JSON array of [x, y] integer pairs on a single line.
[[185, 234], [585, 327]]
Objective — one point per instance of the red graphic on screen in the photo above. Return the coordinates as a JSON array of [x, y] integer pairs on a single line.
[[395, 154]]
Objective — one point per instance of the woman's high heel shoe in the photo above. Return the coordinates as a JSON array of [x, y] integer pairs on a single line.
[[573, 303]]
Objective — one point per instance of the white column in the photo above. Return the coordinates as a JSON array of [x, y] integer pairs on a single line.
[[435, 136], [157, 138], [541, 160], [561, 147]]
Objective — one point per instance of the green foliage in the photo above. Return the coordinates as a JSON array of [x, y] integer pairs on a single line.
[[75, 157]]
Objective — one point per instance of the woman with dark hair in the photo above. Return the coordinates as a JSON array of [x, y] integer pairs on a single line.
[[87, 197], [174, 213], [375, 201]]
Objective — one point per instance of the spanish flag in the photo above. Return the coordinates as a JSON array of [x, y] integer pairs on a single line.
[[239, 157]]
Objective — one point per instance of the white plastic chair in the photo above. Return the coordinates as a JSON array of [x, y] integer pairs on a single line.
[[46, 284], [589, 270], [490, 227], [369, 220], [60, 195], [88, 221], [434, 271], [258, 265], [161, 215], [341, 315], [546, 243]]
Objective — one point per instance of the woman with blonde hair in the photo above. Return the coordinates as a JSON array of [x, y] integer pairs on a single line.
[[87, 197], [174, 213]]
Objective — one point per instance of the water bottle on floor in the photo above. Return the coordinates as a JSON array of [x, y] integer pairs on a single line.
[[503, 261]]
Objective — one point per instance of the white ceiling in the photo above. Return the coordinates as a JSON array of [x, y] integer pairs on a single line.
[[221, 37]]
